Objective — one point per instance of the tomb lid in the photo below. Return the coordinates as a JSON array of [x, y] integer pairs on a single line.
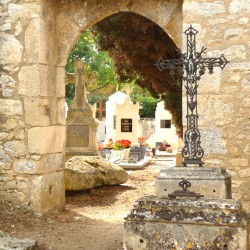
[[216, 212]]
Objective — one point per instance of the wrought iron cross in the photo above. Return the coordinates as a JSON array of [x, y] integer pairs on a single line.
[[190, 67]]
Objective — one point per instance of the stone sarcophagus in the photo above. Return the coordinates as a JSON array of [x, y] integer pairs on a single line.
[[186, 223]]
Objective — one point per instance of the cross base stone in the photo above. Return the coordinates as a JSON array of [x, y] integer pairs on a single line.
[[186, 223], [211, 182]]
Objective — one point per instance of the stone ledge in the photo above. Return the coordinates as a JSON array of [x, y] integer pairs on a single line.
[[156, 223], [189, 210]]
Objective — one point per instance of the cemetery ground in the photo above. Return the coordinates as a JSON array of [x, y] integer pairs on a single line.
[[92, 220]]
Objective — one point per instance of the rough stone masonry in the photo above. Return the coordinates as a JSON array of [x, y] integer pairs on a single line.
[[36, 37]]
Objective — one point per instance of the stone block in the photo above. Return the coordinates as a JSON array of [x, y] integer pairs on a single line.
[[47, 192], [47, 164], [31, 107], [235, 33], [46, 140], [7, 242], [47, 80], [210, 182], [10, 107], [207, 9], [23, 11], [213, 80], [156, 223], [26, 166], [224, 110], [239, 6], [60, 82], [246, 83], [11, 49], [37, 111], [15, 148], [179, 159], [212, 141], [239, 162], [32, 41], [235, 53], [29, 81], [61, 112]]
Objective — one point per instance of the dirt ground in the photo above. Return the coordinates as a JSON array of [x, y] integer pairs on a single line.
[[92, 220]]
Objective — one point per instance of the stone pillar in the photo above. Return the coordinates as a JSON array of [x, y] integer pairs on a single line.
[[32, 107]]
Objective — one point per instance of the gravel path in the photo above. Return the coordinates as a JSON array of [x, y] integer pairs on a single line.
[[92, 220]]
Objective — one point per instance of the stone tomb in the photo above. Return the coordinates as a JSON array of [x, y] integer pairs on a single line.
[[164, 127], [211, 182], [81, 126], [157, 223], [122, 118]]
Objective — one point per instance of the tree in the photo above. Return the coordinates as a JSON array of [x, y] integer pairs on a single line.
[[97, 62], [102, 66], [135, 44]]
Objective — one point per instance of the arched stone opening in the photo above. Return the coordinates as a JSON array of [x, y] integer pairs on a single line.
[[36, 36], [44, 34]]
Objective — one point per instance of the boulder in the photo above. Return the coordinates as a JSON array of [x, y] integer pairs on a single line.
[[86, 172]]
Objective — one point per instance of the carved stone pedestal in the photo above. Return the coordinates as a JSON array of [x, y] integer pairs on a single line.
[[211, 182], [81, 126], [156, 224]]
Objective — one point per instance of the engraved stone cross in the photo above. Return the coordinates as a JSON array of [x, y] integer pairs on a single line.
[[80, 101], [191, 66]]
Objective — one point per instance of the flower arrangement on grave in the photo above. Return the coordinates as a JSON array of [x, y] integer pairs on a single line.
[[143, 141], [109, 144], [164, 146], [169, 149], [99, 146], [121, 144]]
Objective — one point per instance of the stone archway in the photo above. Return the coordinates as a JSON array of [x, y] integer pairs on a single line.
[[36, 37], [33, 121]]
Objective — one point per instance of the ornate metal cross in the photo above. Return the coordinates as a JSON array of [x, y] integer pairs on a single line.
[[190, 67]]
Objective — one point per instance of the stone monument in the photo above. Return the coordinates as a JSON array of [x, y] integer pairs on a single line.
[[122, 118], [81, 126], [164, 128], [183, 219], [216, 183]]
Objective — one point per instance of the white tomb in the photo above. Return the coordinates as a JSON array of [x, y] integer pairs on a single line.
[[164, 128], [122, 118]]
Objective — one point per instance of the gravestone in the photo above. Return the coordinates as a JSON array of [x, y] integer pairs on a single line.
[[122, 118], [138, 151], [81, 126], [164, 127]]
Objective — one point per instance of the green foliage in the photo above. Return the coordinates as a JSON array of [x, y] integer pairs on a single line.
[[97, 62], [148, 107], [100, 64], [69, 93]]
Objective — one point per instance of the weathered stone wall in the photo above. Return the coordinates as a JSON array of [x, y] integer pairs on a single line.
[[31, 106], [224, 101], [36, 37]]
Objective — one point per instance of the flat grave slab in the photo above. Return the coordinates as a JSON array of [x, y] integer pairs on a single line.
[[135, 166]]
